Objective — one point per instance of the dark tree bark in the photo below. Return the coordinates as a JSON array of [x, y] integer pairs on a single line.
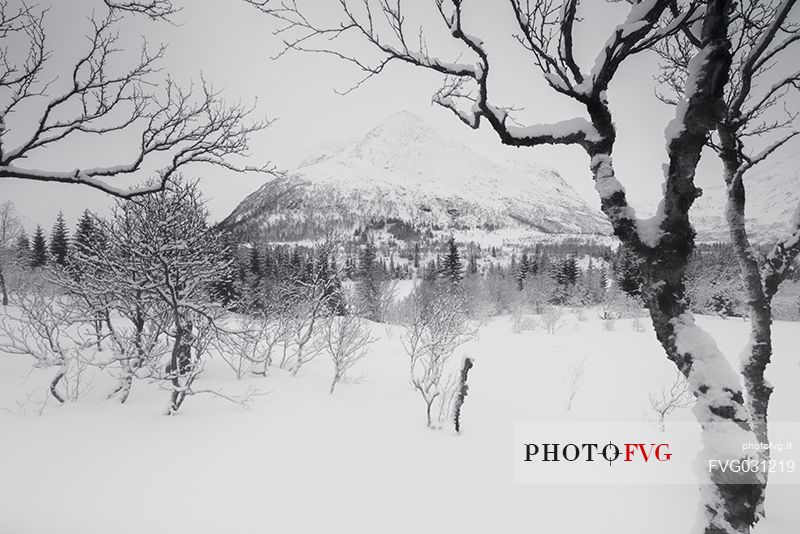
[[3, 287], [463, 388], [62, 371]]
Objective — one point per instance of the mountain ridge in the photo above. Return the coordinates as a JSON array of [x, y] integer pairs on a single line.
[[404, 169]]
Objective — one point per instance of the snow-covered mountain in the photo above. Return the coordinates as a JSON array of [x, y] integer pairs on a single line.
[[773, 193], [403, 170]]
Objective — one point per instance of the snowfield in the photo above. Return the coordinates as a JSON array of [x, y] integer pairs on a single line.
[[362, 460]]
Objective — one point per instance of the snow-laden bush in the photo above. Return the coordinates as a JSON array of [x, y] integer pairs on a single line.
[[47, 326], [346, 339], [437, 323], [617, 305], [553, 319], [521, 319]]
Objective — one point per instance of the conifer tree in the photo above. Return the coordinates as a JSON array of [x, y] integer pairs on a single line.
[[430, 273], [87, 233], [225, 289], [570, 271], [59, 241], [39, 250], [295, 267], [22, 250], [335, 300], [627, 273], [522, 271], [255, 263], [452, 269], [368, 288]]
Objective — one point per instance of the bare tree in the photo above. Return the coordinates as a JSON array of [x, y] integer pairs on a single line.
[[672, 397], [247, 343], [552, 318], [315, 289], [180, 259], [45, 326], [10, 229], [347, 340], [106, 278], [573, 382], [757, 121], [547, 30], [100, 95], [437, 323], [615, 305], [540, 289], [520, 318]]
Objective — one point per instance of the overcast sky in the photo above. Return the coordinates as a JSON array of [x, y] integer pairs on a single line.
[[231, 44]]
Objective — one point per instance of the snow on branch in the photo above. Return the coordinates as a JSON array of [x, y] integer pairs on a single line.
[[546, 29], [104, 96]]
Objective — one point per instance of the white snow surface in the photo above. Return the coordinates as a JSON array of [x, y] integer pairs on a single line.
[[360, 461]]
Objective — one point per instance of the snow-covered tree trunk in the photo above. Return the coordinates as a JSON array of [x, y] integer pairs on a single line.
[[759, 350], [763, 34], [761, 280], [178, 366], [663, 246]]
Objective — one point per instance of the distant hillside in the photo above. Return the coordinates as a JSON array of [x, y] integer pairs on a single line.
[[773, 193], [407, 173]]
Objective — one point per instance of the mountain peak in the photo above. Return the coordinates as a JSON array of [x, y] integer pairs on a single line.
[[401, 128], [405, 169], [403, 120]]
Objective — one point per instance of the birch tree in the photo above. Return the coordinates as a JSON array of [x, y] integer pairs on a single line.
[[45, 106], [346, 339], [180, 259], [46, 327], [315, 289], [758, 120], [10, 230], [106, 277], [547, 31], [437, 323]]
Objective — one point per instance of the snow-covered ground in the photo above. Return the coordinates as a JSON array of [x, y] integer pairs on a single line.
[[362, 460]]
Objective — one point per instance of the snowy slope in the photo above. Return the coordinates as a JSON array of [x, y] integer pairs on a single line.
[[405, 169], [773, 193]]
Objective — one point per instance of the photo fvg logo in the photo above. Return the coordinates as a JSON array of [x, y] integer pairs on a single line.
[[612, 453], [591, 452]]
